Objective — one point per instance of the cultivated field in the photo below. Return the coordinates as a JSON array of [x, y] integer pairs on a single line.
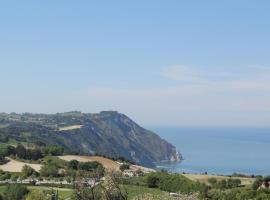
[[107, 163], [16, 166], [68, 128], [205, 178]]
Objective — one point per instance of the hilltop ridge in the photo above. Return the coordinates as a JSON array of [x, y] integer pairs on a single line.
[[106, 133]]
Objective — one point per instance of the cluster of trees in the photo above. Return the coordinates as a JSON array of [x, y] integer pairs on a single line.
[[225, 183], [30, 154], [55, 167], [95, 167], [175, 183]]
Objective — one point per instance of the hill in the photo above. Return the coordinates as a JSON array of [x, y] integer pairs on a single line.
[[107, 133]]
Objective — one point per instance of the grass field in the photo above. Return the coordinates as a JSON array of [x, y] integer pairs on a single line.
[[107, 163], [134, 191], [204, 178], [64, 193]]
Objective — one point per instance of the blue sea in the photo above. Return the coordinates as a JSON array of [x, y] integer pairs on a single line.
[[219, 150]]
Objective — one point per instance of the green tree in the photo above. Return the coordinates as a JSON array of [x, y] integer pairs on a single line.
[[27, 171], [73, 164], [49, 171], [53, 150], [21, 151], [124, 167], [152, 180]]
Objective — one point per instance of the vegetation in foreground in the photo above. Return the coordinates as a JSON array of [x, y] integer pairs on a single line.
[[91, 181]]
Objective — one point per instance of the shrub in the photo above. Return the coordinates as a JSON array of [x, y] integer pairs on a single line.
[[27, 171], [15, 192], [124, 167]]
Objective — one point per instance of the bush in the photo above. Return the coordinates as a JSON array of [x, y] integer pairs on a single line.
[[15, 192], [4, 175], [174, 183], [49, 171], [53, 150], [91, 166], [73, 164], [27, 171], [153, 180], [36, 195], [124, 167]]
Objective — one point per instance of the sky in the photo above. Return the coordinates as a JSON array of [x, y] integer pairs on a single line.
[[163, 63]]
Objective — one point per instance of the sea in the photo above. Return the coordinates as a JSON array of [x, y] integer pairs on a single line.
[[218, 150]]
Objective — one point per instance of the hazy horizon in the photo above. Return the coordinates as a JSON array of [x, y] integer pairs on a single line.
[[162, 64]]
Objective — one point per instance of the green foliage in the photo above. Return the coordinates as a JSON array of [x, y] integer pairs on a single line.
[[7, 150], [53, 150], [174, 183], [73, 164], [153, 180], [49, 171], [15, 192], [3, 160], [212, 181], [225, 183], [239, 194], [37, 195], [4, 175], [28, 171], [124, 167], [91, 166], [52, 166]]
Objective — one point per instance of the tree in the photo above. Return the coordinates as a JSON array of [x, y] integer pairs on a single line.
[[49, 171], [27, 171], [21, 151], [152, 180], [91, 166], [34, 154], [73, 164], [15, 192], [53, 150], [124, 167]]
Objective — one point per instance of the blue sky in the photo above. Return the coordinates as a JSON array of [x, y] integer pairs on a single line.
[[178, 63]]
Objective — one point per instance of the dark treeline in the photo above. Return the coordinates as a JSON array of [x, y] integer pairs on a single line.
[[30, 154]]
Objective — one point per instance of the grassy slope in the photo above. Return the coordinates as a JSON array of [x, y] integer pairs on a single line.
[[63, 192], [134, 191]]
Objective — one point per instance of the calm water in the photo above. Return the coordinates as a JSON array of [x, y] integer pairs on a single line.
[[219, 150]]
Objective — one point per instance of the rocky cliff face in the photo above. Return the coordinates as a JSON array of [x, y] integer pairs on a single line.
[[107, 133]]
